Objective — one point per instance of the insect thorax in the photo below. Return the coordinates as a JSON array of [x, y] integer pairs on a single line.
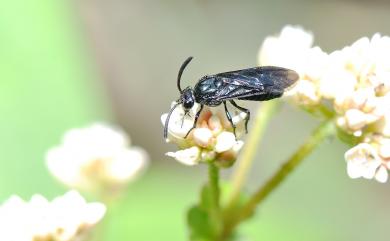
[[205, 91]]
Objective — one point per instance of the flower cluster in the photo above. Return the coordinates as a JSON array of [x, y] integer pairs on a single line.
[[66, 218], [369, 159], [353, 83], [98, 156], [212, 139]]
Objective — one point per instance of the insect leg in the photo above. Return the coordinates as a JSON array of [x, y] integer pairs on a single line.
[[248, 113], [196, 120], [229, 118]]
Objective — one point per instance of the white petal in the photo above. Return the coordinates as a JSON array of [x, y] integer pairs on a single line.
[[96, 135], [353, 171], [202, 136], [13, 202], [384, 149], [304, 92], [179, 123], [369, 171], [316, 63], [66, 218], [188, 156], [381, 174], [127, 165], [344, 80], [362, 161], [239, 121], [225, 141], [289, 49], [355, 119], [64, 166], [92, 155], [237, 146]]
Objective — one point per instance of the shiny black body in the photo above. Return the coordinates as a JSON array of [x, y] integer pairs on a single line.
[[256, 84]]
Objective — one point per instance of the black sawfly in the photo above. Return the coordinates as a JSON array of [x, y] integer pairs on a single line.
[[256, 84]]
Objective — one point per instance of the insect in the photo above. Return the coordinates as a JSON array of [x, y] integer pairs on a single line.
[[256, 84]]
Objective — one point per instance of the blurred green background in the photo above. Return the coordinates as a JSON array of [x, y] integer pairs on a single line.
[[65, 64]]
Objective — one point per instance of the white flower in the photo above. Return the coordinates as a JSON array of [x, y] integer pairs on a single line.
[[211, 140], [356, 77], [293, 49], [355, 119], [289, 49], [352, 83], [95, 157], [189, 156], [382, 174], [225, 141], [364, 161], [337, 84], [66, 218], [305, 92]]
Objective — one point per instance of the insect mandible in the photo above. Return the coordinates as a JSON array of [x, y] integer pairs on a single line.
[[256, 84]]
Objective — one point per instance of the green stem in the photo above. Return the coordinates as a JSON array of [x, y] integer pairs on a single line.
[[323, 131], [214, 186], [263, 116], [214, 194], [328, 114]]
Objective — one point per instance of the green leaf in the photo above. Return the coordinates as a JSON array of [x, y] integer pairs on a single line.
[[200, 225]]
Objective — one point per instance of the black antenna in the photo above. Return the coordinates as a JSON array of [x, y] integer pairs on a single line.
[[167, 120], [183, 66]]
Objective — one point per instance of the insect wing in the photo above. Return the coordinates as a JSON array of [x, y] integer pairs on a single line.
[[262, 76], [259, 83]]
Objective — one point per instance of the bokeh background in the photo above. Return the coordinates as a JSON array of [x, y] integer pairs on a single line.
[[65, 64]]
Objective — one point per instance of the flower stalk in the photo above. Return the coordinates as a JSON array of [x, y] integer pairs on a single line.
[[323, 131], [214, 186], [263, 116]]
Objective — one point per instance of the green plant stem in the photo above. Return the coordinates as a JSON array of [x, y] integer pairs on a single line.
[[323, 131], [214, 186], [325, 111], [263, 116]]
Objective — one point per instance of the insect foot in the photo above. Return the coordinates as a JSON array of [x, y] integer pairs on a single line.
[[211, 140]]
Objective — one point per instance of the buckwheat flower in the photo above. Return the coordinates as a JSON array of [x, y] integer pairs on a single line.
[[96, 157], [363, 160], [352, 84], [287, 49], [65, 218], [336, 84], [294, 49], [305, 92], [355, 80], [212, 139]]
